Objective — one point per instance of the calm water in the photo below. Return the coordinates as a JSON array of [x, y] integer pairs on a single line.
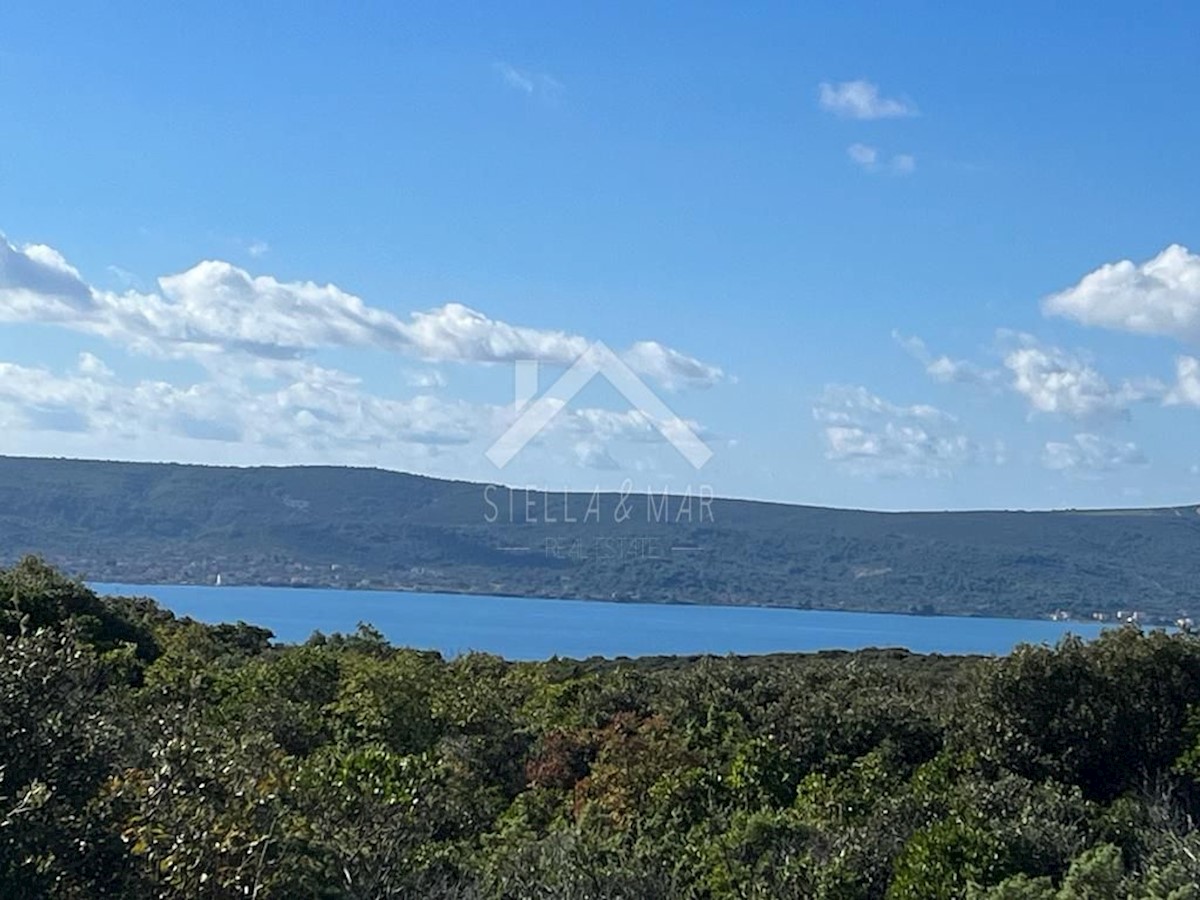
[[537, 629]]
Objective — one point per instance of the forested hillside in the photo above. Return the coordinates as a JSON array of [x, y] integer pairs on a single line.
[[144, 523], [144, 756]]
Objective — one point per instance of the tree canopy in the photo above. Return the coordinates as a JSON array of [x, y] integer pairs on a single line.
[[148, 756]]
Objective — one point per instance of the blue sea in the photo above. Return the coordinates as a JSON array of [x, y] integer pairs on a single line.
[[529, 629]]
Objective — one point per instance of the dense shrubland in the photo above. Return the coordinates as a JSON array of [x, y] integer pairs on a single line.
[[147, 756]]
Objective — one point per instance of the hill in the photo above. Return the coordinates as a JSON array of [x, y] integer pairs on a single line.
[[166, 523]]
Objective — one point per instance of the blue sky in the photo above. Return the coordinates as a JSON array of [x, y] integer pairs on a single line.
[[859, 251]]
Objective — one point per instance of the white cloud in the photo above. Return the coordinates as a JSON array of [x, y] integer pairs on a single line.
[[219, 304], [593, 455], [530, 83], [863, 155], [216, 309], [943, 369], [627, 425], [1051, 380], [670, 368], [36, 280], [425, 379], [869, 159], [860, 99], [311, 408], [868, 435], [90, 364], [277, 411], [260, 395], [1055, 381], [258, 249], [456, 333], [1186, 390], [1158, 297], [1089, 454]]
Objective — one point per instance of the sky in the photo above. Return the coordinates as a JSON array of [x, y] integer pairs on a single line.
[[902, 256]]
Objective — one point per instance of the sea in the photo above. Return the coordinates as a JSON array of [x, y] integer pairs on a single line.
[[532, 629]]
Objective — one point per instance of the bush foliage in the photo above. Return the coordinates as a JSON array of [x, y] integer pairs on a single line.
[[146, 756]]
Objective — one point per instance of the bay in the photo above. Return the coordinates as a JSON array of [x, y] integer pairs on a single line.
[[530, 629]]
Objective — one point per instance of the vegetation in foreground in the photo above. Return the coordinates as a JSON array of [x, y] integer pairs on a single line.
[[145, 756]]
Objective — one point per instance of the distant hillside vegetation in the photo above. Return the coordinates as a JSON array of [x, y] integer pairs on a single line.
[[151, 523]]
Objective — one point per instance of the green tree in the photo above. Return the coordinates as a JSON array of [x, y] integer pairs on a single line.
[[60, 740]]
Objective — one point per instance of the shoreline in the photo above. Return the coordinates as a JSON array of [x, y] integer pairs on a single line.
[[641, 602]]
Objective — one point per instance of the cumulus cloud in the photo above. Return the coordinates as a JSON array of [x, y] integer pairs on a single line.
[[863, 155], [282, 410], [872, 436], [1090, 454], [1159, 297], [212, 306], [870, 160], [37, 281], [314, 408], [1186, 390], [944, 369], [215, 309], [594, 455], [670, 368], [1055, 381], [425, 379], [1051, 380], [258, 391], [90, 364], [861, 99], [632, 425], [457, 333]]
